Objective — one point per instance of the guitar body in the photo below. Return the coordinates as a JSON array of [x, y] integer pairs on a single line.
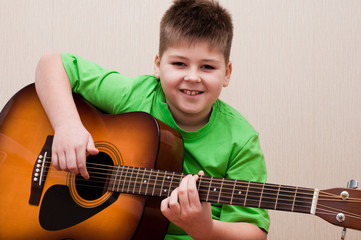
[[66, 209]]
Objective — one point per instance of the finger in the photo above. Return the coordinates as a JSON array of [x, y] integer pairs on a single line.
[[183, 192], [71, 162], [81, 162], [164, 207], [55, 160], [173, 203], [91, 149], [62, 161], [206, 205], [193, 196]]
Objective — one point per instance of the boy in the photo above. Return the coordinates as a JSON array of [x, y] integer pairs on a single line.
[[191, 68]]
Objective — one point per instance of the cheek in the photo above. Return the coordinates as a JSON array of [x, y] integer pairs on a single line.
[[167, 84], [217, 83], [169, 79]]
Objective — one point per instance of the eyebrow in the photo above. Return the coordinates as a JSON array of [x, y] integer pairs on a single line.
[[203, 60]]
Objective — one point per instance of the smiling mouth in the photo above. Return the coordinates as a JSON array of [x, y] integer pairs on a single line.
[[191, 92]]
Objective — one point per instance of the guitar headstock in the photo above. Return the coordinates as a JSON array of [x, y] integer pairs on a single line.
[[340, 206]]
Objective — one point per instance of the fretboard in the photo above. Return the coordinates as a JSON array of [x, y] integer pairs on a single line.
[[152, 182]]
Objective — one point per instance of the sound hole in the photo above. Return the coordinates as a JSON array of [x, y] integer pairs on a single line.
[[99, 167]]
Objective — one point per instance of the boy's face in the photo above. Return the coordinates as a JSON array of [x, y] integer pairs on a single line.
[[192, 77]]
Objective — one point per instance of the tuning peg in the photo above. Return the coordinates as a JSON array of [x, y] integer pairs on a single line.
[[353, 184]]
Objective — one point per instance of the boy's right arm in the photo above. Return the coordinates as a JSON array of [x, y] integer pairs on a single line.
[[71, 139]]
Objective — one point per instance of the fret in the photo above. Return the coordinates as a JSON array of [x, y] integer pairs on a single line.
[[142, 181], [125, 178], [148, 182], [294, 200], [130, 179], [161, 188], [135, 182], [199, 183], [260, 198], [170, 185], [234, 187], [155, 182], [182, 175], [220, 190], [245, 198], [209, 187], [278, 193], [120, 176]]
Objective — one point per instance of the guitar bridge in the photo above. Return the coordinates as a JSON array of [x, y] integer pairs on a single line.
[[40, 172]]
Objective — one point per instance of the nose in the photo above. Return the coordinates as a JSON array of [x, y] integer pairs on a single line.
[[192, 76]]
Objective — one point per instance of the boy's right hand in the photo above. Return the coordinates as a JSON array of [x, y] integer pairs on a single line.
[[71, 140], [70, 145]]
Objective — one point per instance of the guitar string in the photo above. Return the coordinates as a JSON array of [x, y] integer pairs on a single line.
[[137, 192], [281, 198], [335, 212], [332, 209], [243, 184], [322, 209], [319, 207], [240, 184], [230, 181], [250, 196]]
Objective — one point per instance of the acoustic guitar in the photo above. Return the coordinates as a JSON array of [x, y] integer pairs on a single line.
[[139, 164]]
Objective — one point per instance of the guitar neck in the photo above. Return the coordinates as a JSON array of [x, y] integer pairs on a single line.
[[151, 182]]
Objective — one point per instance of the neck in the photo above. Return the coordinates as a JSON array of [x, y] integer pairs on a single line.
[[189, 126], [190, 122], [211, 189]]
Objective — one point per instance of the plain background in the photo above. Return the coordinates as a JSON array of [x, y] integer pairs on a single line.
[[296, 77]]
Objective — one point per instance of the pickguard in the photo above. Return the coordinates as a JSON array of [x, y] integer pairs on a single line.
[[59, 211]]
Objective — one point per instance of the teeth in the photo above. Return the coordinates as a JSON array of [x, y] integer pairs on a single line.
[[191, 92]]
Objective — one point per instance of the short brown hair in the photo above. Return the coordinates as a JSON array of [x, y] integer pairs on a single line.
[[192, 21]]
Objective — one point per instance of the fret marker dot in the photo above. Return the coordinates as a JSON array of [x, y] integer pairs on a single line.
[[239, 192], [145, 181], [215, 189]]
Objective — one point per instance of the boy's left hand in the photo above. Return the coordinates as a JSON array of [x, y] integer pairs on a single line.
[[184, 208]]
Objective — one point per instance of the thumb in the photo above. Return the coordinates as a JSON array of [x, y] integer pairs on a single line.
[[91, 149], [207, 206]]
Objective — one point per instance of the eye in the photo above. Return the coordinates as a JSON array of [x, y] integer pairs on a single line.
[[208, 67], [178, 64]]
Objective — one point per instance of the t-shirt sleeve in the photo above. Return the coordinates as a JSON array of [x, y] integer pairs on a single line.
[[249, 161], [108, 90]]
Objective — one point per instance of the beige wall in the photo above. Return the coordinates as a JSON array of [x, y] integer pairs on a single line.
[[296, 77]]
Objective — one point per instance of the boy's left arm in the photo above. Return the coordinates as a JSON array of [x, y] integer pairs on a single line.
[[184, 209]]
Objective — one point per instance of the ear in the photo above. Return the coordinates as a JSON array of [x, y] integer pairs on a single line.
[[227, 77], [157, 66]]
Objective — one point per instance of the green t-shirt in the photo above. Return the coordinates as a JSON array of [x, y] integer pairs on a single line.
[[227, 146]]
